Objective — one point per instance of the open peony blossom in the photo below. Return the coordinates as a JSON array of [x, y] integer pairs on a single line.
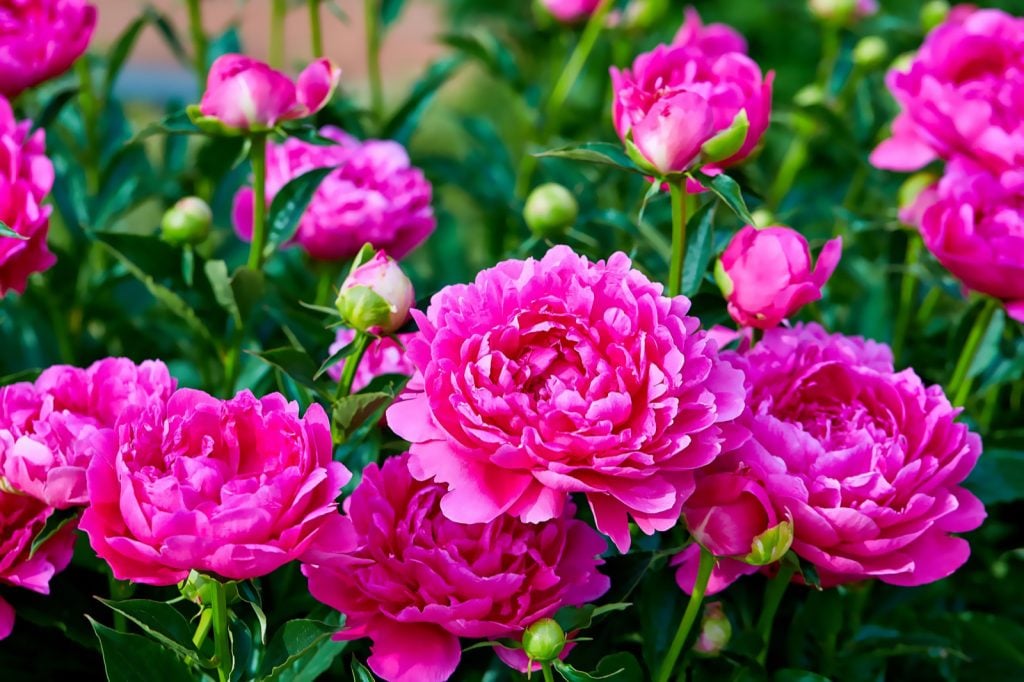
[[416, 581], [232, 487], [544, 378], [766, 274], [677, 97], [244, 94], [568, 11], [961, 95], [45, 426], [374, 196], [21, 520], [40, 40], [868, 461], [974, 224], [26, 176], [386, 355]]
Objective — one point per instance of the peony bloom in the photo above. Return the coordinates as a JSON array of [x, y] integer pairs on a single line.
[[766, 274], [26, 176], [544, 378], [961, 95], [232, 487], [569, 11], [385, 355], [416, 581], [711, 39], [974, 224], [374, 196], [45, 426], [376, 296], [40, 40], [247, 95], [868, 461], [677, 97], [21, 520]]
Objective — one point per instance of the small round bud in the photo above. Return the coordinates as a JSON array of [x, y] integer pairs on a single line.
[[187, 222], [715, 631], [550, 210], [934, 13], [870, 53], [771, 545], [834, 11], [809, 96], [544, 640], [376, 296], [763, 218]]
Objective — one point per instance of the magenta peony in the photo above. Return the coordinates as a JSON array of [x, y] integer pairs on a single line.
[[548, 377], [45, 426], [961, 95], [40, 40], [416, 582], [766, 274], [232, 487], [711, 39], [21, 520], [569, 11], [374, 196], [26, 176], [677, 97], [247, 95], [385, 355], [974, 224]]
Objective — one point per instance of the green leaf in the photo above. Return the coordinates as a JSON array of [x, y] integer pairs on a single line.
[[295, 363], [571, 674], [8, 232], [121, 49], [793, 675], [290, 203], [485, 47], [572, 618], [726, 189], [404, 121], [390, 10], [623, 666], [292, 641], [54, 523], [998, 476], [133, 658], [249, 593], [217, 272], [337, 357], [177, 123], [700, 248], [351, 411], [160, 621], [601, 153], [247, 285], [360, 673], [53, 107]]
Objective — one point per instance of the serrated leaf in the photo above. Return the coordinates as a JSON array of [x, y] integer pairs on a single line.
[[160, 621], [133, 658], [601, 153], [8, 232], [726, 189], [290, 203], [700, 248]]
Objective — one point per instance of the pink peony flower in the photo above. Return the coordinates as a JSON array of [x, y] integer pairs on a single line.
[[867, 460], [26, 176], [45, 426], [647, 102], [246, 94], [21, 520], [974, 224], [385, 355], [961, 95], [548, 377], [40, 40], [374, 196], [569, 11], [711, 39], [416, 581], [766, 274], [233, 487]]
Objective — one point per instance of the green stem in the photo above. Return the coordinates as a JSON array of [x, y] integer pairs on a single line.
[[373, 41], [232, 362], [199, 45], [959, 386], [680, 204], [90, 106], [314, 29], [563, 86], [707, 563], [278, 11], [908, 287], [203, 629], [221, 638], [348, 372], [830, 45], [119, 591], [792, 163], [545, 668], [258, 157], [772, 598]]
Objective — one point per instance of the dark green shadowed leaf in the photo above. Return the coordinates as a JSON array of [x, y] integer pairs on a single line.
[[700, 248], [293, 641], [601, 153], [133, 658], [159, 620], [405, 120], [726, 189], [290, 203], [360, 672]]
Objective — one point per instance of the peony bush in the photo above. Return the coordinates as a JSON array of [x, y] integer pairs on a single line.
[[500, 371]]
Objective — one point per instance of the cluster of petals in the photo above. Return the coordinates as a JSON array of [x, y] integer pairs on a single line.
[[375, 195], [40, 40], [26, 177], [416, 582], [555, 376]]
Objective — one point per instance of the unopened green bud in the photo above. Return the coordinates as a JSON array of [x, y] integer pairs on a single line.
[[934, 13], [809, 96], [729, 141], [550, 210], [200, 588], [834, 11], [643, 14], [763, 218], [771, 545], [870, 53], [544, 641], [723, 280], [376, 296], [715, 631], [187, 222]]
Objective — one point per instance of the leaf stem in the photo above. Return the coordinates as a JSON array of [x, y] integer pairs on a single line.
[[373, 43], [680, 209], [315, 30], [668, 664], [348, 372], [546, 670], [203, 629], [772, 598], [959, 387], [258, 157], [278, 11], [221, 640], [199, 45]]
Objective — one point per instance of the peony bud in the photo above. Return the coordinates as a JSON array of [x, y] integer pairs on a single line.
[[187, 222], [842, 12], [809, 96], [870, 53], [771, 545], [550, 210], [934, 13], [544, 640], [570, 11], [200, 588], [671, 134], [715, 631], [726, 143], [377, 296], [644, 14]]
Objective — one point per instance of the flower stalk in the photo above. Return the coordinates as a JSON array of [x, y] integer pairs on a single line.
[[348, 372], [278, 10], [258, 157], [772, 599], [668, 664], [373, 44], [221, 637], [199, 43], [961, 381], [315, 30]]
